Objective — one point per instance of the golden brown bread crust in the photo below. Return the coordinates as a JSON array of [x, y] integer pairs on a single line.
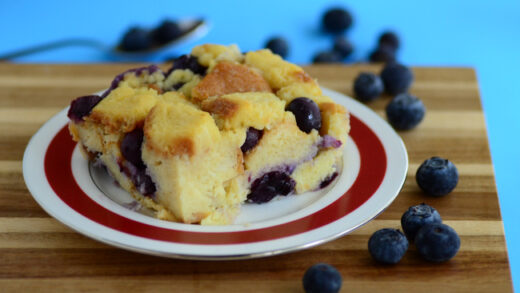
[[241, 110], [227, 78], [123, 109], [302, 76], [108, 123], [222, 107], [178, 146], [74, 131], [155, 87]]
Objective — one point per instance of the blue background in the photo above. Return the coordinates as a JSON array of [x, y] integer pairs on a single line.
[[481, 34]]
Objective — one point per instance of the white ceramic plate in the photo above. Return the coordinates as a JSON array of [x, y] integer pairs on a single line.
[[87, 200]]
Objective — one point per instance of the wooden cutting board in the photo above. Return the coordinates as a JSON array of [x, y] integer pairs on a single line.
[[37, 253]]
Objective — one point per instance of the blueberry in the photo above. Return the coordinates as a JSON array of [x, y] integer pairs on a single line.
[[131, 147], [178, 85], [136, 39], [343, 47], [387, 245], [166, 32], [322, 278], [137, 174], [328, 180], [397, 78], [418, 216], [307, 114], [270, 185], [278, 45], [383, 54], [253, 135], [437, 242], [437, 176], [327, 57], [143, 182], [336, 20], [368, 86], [389, 39], [405, 111], [188, 62], [82, 106]]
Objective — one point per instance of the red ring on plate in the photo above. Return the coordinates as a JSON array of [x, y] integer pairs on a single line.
[[371, 174]]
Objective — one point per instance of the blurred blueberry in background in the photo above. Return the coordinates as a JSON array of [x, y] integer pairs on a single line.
[[278, 45]]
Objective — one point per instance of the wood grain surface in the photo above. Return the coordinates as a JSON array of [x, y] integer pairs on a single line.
[[39, 254]]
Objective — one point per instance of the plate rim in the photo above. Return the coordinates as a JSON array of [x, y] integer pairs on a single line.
[[129, 246]]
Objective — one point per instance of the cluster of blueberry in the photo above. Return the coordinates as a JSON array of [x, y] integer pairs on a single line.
[[337, 21], [405, 111], [388, 45], [422, 225], [334, 21], [140, 39]]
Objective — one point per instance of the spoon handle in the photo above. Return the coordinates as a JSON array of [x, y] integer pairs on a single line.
[[51, 46]]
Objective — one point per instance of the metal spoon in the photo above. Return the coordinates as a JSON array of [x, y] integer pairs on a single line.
[[192, 29]]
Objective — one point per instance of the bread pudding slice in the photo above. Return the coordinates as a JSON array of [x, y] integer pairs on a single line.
[[217, 130]]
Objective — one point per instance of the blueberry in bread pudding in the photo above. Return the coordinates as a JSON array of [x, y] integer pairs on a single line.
[[215, 131]]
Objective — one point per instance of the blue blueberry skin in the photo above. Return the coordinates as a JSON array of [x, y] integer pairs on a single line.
[[437, 242], [278, 45], [270, 185], [416, 217], [397, 78], [307, 114], [131, 147], [322, 278], [143, 182], [387, 246], [383, 54], [336, 20], [390, 39], [82, 106], [136, 39], [405, 112], [368, 87], [328, 180], [188, 62], [437, 176], [253, 135], [166, 32], [343, 47], [327, 57]]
